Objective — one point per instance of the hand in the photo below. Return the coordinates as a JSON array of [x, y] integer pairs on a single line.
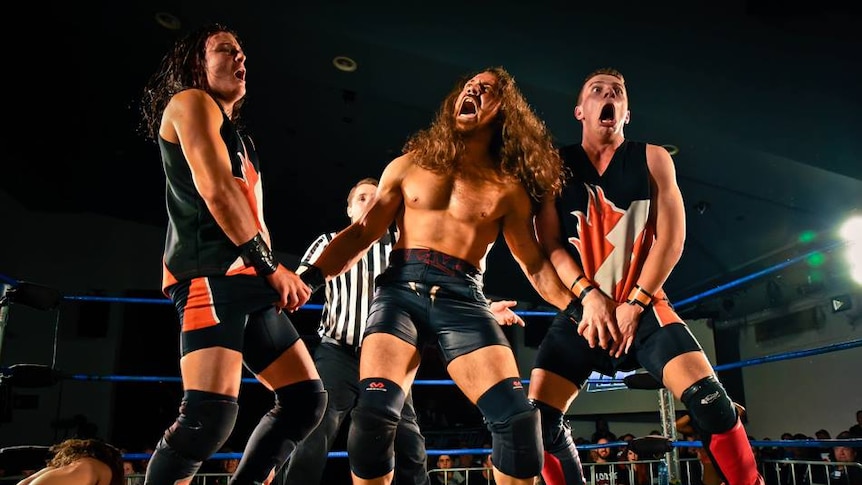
[[598, 322], [628, 317], [503, 313], [293, 292]]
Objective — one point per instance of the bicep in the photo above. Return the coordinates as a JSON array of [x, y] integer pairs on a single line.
[[197, 121], [520, 233], [548, 226], [387, 201], [667, 199]]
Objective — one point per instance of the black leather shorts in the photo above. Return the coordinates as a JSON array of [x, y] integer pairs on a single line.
[[425, 296]]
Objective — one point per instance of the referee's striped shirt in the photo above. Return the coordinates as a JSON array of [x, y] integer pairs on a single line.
[[348, 296]]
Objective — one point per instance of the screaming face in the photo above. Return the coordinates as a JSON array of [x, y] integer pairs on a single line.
[[478, 103], [604, 104]]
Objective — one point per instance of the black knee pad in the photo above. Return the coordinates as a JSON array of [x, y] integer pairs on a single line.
[[558, 443], [711, 410], [298, 410], [370, 443], [305, 403], [515, 429], [556, 432], [205, 423]]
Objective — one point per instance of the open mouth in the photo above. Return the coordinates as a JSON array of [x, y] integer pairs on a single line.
[[240, 75], [608, 115], [469, 107]]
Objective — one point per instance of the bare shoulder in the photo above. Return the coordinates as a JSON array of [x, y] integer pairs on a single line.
[[191, 109], [657, 154], [401, 164], [84, 471], [396, 169], [659, 160], [191, 100]]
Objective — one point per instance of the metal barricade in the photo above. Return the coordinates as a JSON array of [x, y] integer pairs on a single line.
[[802, 472]]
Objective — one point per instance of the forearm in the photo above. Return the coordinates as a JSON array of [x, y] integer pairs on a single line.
[[547, 283], [566, 267], [229, 207], [344, 251], [659, 263]]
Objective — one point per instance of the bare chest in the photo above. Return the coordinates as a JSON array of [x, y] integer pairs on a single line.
[[460, 198]]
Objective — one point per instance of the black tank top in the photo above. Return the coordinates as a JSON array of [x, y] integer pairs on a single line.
[[605, 220], [195, 245]]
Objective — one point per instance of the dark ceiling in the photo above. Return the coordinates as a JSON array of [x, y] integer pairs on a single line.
[[762, 102]]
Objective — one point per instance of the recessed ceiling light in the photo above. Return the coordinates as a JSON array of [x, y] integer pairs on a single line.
[[168, 20], [672, 149], [344, 63]]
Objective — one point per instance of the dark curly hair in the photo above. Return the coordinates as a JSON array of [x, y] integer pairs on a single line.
[[521, 144], [71, 450], [180, 69]]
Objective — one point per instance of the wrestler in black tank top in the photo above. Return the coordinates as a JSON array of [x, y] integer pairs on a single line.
[[604, 217], [195, 244]]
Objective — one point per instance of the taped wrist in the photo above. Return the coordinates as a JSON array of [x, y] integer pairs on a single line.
[[257, 254], [640, 297], [313, 277], [581, 286]]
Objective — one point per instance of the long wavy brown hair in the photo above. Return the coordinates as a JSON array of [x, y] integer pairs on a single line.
[[72, 450], [183, 67], [521, 144]]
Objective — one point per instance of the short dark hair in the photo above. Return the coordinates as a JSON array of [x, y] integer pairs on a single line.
[[366, 181], [609, 71]]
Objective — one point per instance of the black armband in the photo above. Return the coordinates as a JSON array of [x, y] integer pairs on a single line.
[[258, 255], [313, 277]]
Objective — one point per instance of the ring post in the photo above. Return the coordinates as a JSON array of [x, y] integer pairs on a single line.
[[668, 422], [4, 314]]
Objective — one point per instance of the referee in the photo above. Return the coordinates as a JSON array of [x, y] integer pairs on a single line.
[[342, 325]]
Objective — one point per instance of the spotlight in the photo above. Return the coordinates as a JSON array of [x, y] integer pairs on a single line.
[[851, 232]]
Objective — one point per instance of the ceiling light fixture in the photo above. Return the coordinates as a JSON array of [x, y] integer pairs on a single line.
[[344, 63], [168, 20]]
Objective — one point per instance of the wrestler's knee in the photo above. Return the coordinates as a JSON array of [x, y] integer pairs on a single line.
[[205, 423], [370, 443], [515, 428], [556, 432], [712, 411], [299, 408]]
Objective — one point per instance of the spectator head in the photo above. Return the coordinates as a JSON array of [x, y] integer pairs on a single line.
[[603, 454], [444, 461], [844, 453]]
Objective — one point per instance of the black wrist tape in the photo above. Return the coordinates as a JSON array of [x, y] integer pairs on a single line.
[[574, 310], [313, 277], [257, 254]]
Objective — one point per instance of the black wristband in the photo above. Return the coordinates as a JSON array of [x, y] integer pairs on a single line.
[[257, 254], [313, 277], [574, 310]]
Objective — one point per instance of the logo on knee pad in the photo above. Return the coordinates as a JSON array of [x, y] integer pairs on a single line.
[[376, 386], [710, 398], [516, 384]]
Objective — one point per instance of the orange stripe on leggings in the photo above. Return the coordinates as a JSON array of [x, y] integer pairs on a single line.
[[199, 312]]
